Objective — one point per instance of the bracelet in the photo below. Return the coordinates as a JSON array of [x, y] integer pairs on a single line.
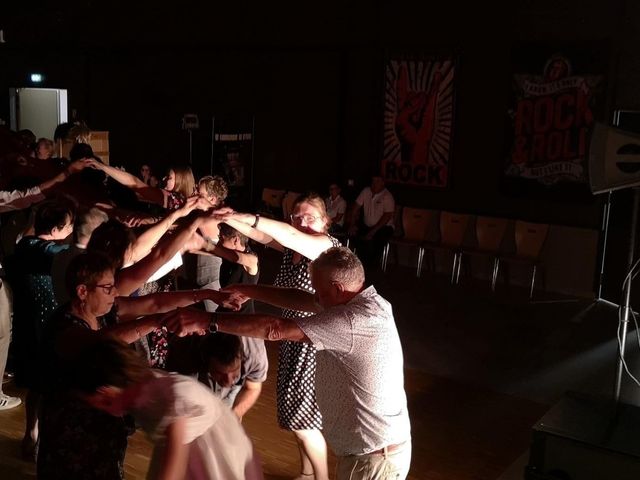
[[255, 223]]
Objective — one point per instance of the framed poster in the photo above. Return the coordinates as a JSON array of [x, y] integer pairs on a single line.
[[418, 121], [555, 101], [232, 157]]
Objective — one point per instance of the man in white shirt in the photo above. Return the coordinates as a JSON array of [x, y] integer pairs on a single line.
[[336, 208], [376, 226], [359, 376]]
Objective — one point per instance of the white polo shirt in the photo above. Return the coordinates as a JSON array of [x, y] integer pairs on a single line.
[[374, 206], [336, 207]]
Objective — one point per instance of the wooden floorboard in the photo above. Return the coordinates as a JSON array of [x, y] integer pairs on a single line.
[[459, 432]]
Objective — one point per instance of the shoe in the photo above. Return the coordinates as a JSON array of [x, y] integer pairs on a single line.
[[7, 402]]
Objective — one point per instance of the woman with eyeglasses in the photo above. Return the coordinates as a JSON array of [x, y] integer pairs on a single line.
[[302, 241], [75, 440]]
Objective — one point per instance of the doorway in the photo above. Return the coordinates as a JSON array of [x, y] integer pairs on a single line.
[[40, 110]]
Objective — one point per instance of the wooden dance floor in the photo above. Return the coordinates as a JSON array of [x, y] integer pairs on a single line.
[[458, 432]]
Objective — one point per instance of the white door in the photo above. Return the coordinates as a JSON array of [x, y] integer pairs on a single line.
[[40, 110]]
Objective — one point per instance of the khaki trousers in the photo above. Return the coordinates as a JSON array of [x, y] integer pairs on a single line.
[[376, 466]]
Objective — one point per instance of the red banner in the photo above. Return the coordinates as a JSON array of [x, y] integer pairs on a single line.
[[418, 121], [552, 116]]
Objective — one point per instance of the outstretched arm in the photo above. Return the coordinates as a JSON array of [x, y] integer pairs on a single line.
[[290, 298], [248, 260], [146, 192], [308, 245], [74, 167], [253, 233], [185, 321], [162, 302]]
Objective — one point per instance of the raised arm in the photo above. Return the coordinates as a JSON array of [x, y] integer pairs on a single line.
[[74, 167], [147, 240], [150, 194], [308, 245], [131, 278]]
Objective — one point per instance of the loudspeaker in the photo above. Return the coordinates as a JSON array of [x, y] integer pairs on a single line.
[[586, 438], [614, 159]]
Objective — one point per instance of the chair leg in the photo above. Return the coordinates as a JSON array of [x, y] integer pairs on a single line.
[[385, 257], [459, 267], [533, 281], [494, 277], [420, 260], [453, 268]]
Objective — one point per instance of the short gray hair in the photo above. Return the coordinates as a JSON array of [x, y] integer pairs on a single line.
[[342, 266], [86, 222]]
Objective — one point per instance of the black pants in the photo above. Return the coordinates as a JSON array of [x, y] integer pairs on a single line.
[[370, 251]]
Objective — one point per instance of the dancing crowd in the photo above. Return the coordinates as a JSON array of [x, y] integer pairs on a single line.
[[105, 337]]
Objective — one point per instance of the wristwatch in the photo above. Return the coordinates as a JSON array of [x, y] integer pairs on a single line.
[[213, 324], [255, 222]]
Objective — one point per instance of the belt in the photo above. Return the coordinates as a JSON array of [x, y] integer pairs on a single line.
[[388, 449]]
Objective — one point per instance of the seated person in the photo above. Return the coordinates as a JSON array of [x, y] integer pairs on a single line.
[[234, 368], [336, 208], [376, 227]]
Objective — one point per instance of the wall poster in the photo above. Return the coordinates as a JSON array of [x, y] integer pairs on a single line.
[[553, 108], [418, 121]]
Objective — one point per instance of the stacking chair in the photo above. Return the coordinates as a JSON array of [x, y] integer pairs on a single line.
[[489, 235], [530, 238], [453, 227], [287, 204], [272, 202], [415, 225]]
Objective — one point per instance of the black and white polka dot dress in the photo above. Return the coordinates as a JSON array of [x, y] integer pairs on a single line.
[[297, 407]]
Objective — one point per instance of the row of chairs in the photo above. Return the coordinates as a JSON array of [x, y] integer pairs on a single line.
[[418, 225]]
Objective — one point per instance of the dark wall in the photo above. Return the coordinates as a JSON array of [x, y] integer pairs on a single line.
[[312, 79]]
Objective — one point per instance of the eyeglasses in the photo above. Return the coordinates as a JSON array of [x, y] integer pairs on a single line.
[[107, 288], [307, 218]]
